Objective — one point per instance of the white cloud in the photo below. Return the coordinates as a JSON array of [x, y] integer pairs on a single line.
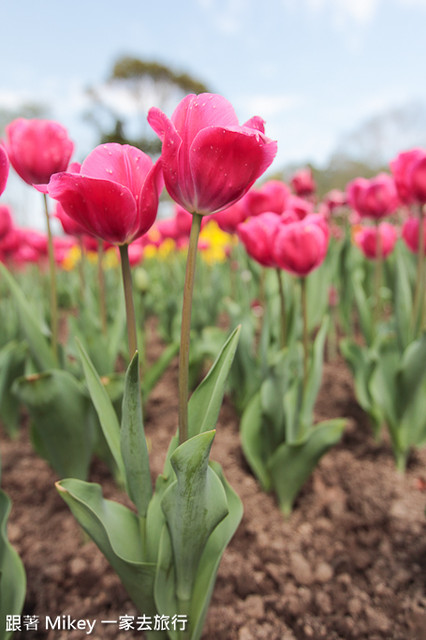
[[226, 15], [269, 106]]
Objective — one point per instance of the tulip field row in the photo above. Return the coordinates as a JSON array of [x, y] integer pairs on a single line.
[[250, 284]]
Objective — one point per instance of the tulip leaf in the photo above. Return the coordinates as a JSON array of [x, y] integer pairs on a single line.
[[206, 401], [292, 463], [12, 364], [403, 302], [12, 573], [411, 370], [208, 565], [364, 311], [213, 552], [133, 442], [117, 532], [41, 351], [193, 504], [314, 376], [253, 440], [104, 409], [59, 412]]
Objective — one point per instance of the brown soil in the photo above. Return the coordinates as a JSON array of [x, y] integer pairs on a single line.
[[348, 564]]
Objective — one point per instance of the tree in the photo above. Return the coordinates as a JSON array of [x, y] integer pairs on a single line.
[[120, 104]]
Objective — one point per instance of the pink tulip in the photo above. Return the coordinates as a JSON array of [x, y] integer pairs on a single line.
[[6, 220], [209, 161], [70, 226], [228, 219], [373, 246], [10, 242], [374, 198], [258, 236], [410, 234], [401, 168], [416, 175], [4, 168], [37, 149], [335, 199], [303, 182], [36, 240], [299, 206], [300, 247], [114, 196], [271, 196], [135, 253]]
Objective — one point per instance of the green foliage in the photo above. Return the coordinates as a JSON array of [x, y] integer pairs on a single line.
[[12, 573], [279, 439], [167, 554]]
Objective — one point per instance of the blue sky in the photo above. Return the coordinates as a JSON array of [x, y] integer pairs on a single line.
[[313, 69]]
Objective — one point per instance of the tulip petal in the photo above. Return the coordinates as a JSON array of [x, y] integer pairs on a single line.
[[225, 162], [104, 208], [255, 123], [123, 164], [4, 168], [195, 113]]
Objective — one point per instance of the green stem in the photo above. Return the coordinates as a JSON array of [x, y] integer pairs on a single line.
[[82, 268], [52, 274], [283, 334], [305, 331], [420, 279], [186, 327], [101, 284], [128, 298]]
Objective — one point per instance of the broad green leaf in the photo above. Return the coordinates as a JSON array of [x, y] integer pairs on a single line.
[[206, 401], [403, 302], [205, 579], [40, 348], [411, 370], [193, 505], [59, 412], [314, 376], [383, 382], [12, 573], [104, 409], [12, 364], [364, 311], [118, 533], [292, 464], [133, 442], [253, 441], [213, 552]]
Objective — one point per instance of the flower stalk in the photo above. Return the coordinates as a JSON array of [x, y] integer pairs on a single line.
[[52, 275], [128, 298], [186, 327]]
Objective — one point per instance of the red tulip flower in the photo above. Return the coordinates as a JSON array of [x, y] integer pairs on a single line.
[[37, 149], [373, 198], [410, 234], [258, 236], [209, 161], [228, 219], [300, 247], [409, 175], [377, 241], [303, 183], [6, 221], [4, 168], [114, 196], [271, 196]]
